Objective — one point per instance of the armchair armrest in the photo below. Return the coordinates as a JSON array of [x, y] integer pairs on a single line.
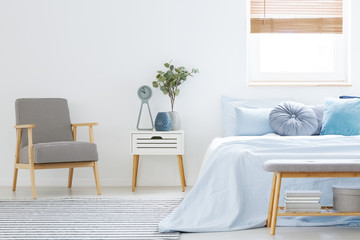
[[90, 125], [30, 142], [25, 126], [84, 124]]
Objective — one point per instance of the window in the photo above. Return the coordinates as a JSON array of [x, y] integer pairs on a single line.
[[297, 42]]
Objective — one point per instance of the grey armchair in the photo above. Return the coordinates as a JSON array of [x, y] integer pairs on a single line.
[[46, 139]]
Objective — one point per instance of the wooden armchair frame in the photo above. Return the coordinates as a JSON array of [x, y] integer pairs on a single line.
[[33, 166]]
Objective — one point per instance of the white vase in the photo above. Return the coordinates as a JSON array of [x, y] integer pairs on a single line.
[[175, 117]]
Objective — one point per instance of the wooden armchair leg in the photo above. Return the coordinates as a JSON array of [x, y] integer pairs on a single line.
[[33, 187], [15, 179], [71, 173], [17, 156], [97, 180]]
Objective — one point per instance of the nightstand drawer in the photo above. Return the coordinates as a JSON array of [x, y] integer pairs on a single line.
[[155, 143]]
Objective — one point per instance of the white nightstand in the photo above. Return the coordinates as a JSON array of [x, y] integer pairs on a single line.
[[157, 143]]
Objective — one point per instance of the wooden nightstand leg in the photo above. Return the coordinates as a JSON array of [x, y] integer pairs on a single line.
[[135, 171], [181, 171], [137, 167]]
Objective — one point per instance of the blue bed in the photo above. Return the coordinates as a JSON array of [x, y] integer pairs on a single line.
[[232, 191]]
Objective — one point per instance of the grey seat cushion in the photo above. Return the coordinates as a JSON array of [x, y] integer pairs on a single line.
[[312, 165], [58, 152], [51, 116]]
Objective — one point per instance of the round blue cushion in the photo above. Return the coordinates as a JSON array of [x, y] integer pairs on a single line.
[[293, 119]]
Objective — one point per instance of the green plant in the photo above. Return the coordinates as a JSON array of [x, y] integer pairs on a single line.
[[171, 79]]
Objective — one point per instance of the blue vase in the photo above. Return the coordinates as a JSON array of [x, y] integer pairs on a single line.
[[163, 122]]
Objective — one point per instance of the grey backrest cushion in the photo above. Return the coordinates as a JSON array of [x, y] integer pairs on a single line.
[[51, 116], [293, 119]]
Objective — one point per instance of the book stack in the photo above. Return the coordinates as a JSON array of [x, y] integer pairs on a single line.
[[302, 201]]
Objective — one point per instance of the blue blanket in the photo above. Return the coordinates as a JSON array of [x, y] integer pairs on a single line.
[[232, 191]]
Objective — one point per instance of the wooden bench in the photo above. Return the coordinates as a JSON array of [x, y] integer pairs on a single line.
[[306, 168]]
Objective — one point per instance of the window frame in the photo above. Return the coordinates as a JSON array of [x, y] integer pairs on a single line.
[[280, 80]]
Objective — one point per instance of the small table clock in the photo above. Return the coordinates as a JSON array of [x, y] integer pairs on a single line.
[[144, 93]]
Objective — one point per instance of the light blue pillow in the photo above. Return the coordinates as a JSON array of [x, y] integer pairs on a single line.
[[341, 117], [293, 119], [229, 105], [252, 121]]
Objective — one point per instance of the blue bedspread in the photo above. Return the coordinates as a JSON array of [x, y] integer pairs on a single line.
[[232, 191]]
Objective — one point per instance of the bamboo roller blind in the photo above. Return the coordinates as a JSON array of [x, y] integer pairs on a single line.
[[296, 16]]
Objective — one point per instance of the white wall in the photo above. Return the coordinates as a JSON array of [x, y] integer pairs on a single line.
[[97, 53]]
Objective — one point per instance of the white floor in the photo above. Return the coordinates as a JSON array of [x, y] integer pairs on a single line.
[[283, 233]]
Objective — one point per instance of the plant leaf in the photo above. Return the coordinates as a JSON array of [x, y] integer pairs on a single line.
[[177, 91], [169, 80], [169, 73]]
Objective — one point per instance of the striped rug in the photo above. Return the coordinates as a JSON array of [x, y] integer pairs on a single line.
[[85, 218]]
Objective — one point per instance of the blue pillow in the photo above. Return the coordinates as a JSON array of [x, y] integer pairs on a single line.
[[293, 119], [229, 105], [341, 117], [253, 121]]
